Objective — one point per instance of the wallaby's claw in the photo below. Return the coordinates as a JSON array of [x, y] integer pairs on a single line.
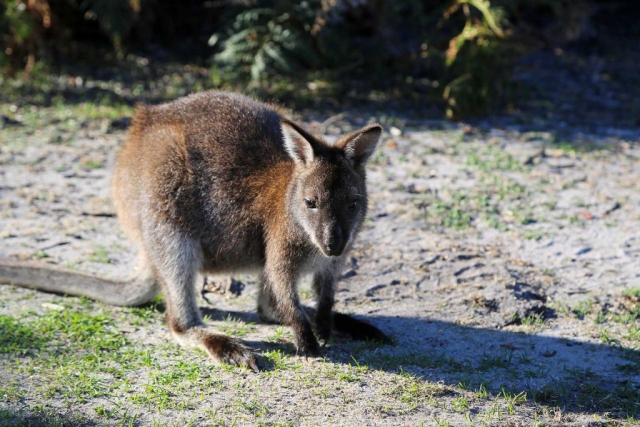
[[309, 349], [308, 353], [253, 365]]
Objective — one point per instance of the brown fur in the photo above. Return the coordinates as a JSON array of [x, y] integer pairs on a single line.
[[217, 182]]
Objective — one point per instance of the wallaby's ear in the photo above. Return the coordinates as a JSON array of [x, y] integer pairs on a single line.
[[297, 142], [360, 145]]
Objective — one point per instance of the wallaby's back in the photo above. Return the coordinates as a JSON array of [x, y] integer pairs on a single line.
[[212, 163]]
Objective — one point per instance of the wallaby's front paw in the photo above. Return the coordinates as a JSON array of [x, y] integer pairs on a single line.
[[230, 350], [324, 327], [307, 345]]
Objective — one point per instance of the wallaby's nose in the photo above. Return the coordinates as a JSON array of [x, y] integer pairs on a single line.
[[334, 243]]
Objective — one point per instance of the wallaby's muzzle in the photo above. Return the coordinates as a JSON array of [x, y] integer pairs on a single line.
[[334, 240]]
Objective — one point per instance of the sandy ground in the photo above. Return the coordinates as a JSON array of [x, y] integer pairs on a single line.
[[491, 254], [502, 255]]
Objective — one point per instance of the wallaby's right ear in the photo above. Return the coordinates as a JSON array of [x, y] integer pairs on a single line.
[[359, 145], [297, 142]]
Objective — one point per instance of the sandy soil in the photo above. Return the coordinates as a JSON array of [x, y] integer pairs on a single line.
[[497, 250], [502, 255]]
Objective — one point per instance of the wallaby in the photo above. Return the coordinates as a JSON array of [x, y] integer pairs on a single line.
[[219, 183]]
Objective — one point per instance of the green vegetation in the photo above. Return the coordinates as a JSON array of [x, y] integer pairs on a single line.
[[100, 255], [491, 158], [78, 353], [461, 51], [583, 308]]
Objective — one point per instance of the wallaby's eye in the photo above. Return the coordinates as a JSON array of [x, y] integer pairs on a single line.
[[311, 204], [353, 203]]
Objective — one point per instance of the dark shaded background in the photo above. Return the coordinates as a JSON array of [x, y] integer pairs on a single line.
[[463, 56]]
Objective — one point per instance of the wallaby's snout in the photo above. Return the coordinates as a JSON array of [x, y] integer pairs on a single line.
[[334, 239]]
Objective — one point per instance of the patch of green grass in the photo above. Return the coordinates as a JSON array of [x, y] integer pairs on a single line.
[[512, 399], [71, 351], [441, 422], [491, 158], [531, 234], [559, 143], [633, 333], [574, 219], [413, 391], [498, 202], [460, 404], [632, 292], [19, 337], [583, 308], [277, 359], [379, 158], [100, 255], [92, 164], [40, 417], [235, 327], [502, 360], [453, 213], [40, 255], [533, 320], [251, 406], [421, 360], [11, 391]]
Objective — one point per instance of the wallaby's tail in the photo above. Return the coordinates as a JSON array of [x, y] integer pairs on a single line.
[[48, 278], [344, 324]]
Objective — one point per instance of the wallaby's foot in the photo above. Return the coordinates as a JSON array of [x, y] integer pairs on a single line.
[[306, 343], [229, 350], [220, 347], [324, 326], [357, 329]]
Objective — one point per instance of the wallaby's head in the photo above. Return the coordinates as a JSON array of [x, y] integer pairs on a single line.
[[329, 196]]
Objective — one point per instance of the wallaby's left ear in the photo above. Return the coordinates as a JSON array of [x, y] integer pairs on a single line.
[[300, 145], [360, 145]]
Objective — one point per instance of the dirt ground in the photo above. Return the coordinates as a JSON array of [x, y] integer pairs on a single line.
[[502, 255]]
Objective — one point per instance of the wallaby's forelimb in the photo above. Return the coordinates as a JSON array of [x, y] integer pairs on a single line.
[[324, 287], [134, 292], [279, 282]]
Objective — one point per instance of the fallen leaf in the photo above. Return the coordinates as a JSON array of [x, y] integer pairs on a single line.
[[585, 215], [391, 144]]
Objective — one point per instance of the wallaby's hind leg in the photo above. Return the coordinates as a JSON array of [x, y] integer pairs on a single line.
[[176, 262]]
